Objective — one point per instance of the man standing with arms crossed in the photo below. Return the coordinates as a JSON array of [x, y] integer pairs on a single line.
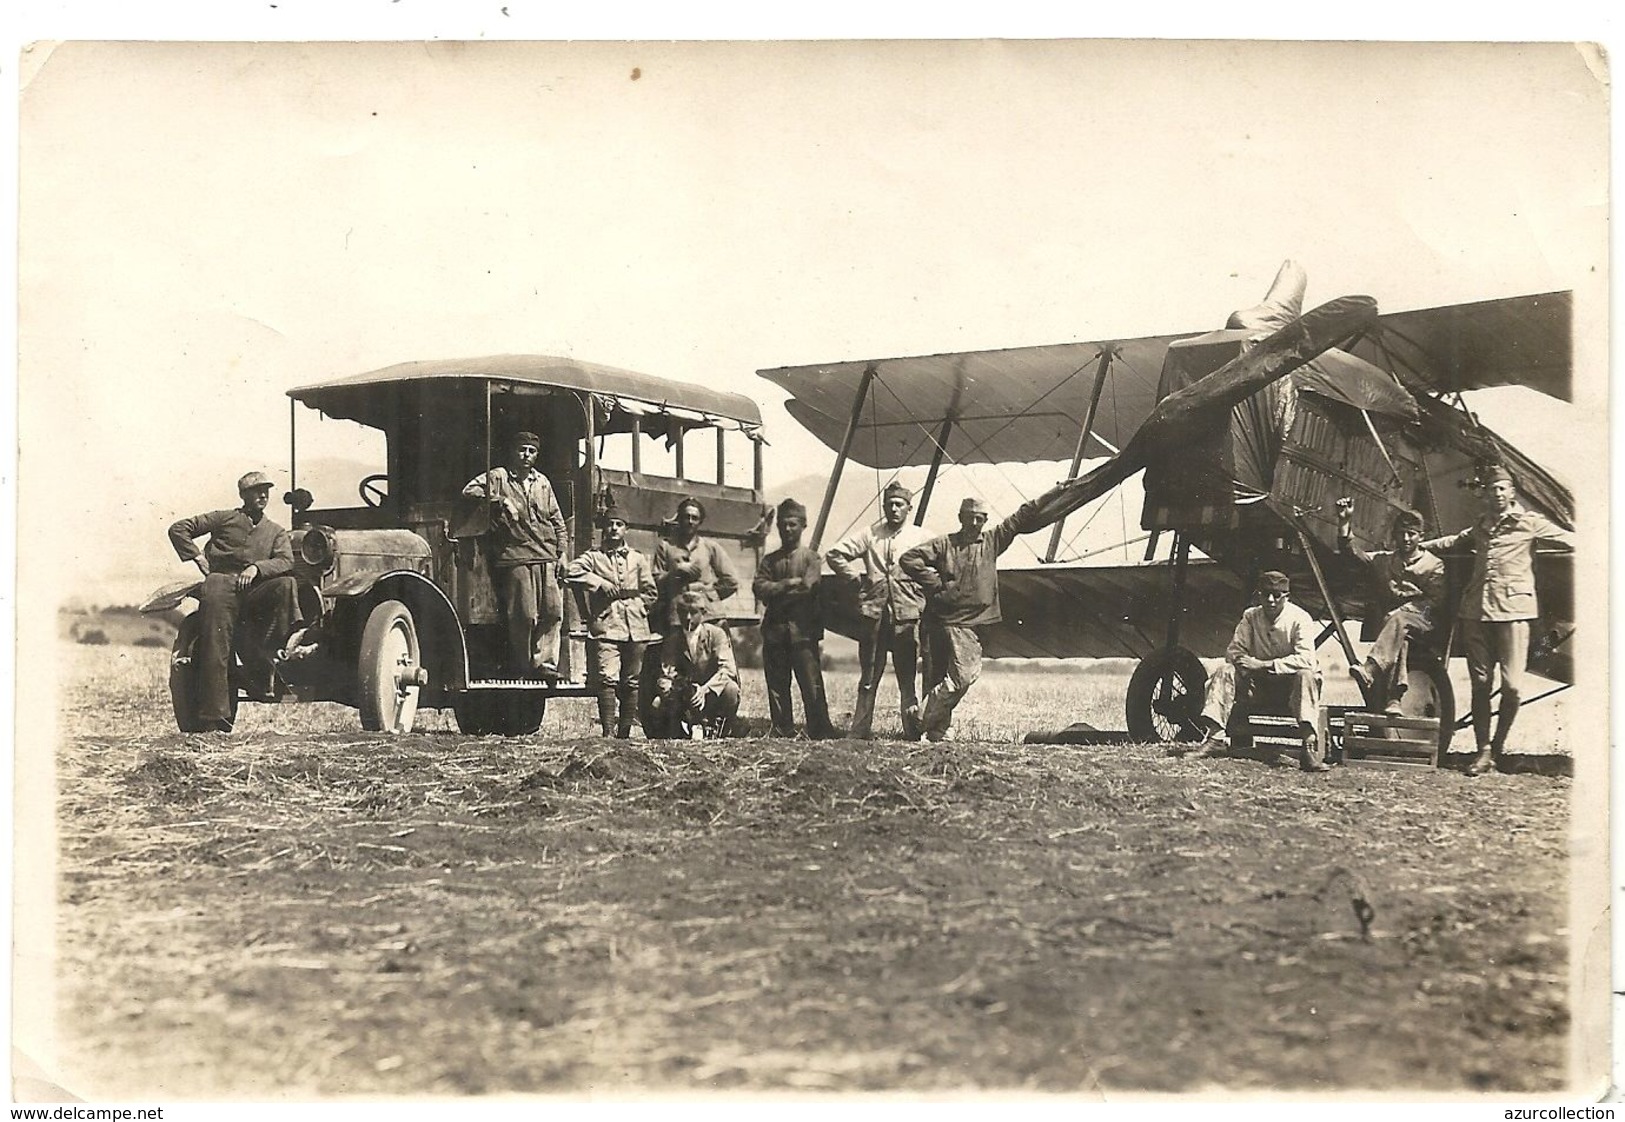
[[891, 609], [793, 628], [1498, 603]]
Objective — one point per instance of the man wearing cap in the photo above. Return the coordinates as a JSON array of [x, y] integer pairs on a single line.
[[891, 604], [1412, 589], [792, 627], [1498, 602], [530, 540], [249, 600], [686, 562], [620, 590], [959, 576], [1270, 667]]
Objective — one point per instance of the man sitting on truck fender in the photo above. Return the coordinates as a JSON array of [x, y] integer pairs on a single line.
[[249, 600]]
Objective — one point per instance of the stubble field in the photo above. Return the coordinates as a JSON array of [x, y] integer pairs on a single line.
[[304, 910]]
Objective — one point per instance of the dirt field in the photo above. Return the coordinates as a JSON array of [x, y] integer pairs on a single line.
[[302, 909]]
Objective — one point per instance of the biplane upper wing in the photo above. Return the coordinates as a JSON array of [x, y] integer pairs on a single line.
[[1015, 405], [1517, 341], [1028, 403]]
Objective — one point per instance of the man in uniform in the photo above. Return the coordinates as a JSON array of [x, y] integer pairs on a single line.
[[891, 605], [530, 540], [1270, 666], [792, 627], [249, 601], [697, 690], [1412, 582], [959, 576], [684, 561], [620, 590], [1498, 603]]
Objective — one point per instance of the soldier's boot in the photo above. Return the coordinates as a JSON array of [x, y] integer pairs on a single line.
[[863, 715], [1313, 755], [607, 710], [628, 703], [1510, 704], [913, 727]]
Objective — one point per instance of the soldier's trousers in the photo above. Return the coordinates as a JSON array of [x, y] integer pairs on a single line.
[[1492, 644], [880, 637], [1387, 660], [803, 660], [1233, 694], [254, 623], [614, 670], [532, 609], [955, 656]]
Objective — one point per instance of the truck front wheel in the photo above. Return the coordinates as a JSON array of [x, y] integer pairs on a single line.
[[390, 671]]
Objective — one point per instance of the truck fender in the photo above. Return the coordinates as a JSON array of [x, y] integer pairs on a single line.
[[440, 634]]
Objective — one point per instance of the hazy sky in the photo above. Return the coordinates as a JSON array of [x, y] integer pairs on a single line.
[[204, 226]]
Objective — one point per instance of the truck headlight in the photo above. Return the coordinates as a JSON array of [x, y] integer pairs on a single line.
[[318, 549]]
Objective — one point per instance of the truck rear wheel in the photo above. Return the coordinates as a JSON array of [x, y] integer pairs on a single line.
[[500, 713]]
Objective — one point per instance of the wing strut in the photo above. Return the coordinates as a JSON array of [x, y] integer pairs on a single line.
[[1381, 447], [1101, 368], [936, 466], [846, 449], [941, 449], [1326, 594]]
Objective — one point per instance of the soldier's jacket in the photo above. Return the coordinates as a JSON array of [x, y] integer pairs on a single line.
[[620, 591], [1502, 583], [529, 525], [961, 578], [717, 579], [878, 550], [701, 657], [235, 542]]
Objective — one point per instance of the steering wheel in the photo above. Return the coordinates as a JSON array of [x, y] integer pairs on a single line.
[[374, 490]]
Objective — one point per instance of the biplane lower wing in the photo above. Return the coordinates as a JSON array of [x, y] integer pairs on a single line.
[[1097, 611]]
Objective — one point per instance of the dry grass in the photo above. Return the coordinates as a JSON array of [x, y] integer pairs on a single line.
[[305, 909]]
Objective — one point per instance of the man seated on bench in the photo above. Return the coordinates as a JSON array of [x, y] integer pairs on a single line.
[[1270, 667], [1412, 590]]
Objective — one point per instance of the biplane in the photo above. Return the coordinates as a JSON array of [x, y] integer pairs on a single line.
[[1247, 436]]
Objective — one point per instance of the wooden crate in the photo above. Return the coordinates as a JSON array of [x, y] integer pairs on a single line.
[[1273, 737], [1388, 739]]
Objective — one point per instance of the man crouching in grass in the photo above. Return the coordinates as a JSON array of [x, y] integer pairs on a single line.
[[697, 692], [1269, 667]]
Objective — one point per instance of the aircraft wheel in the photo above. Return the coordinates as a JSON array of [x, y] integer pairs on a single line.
[[183, 675], [1155, 713], [1429, 693], [390, 672], [494, 713]]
